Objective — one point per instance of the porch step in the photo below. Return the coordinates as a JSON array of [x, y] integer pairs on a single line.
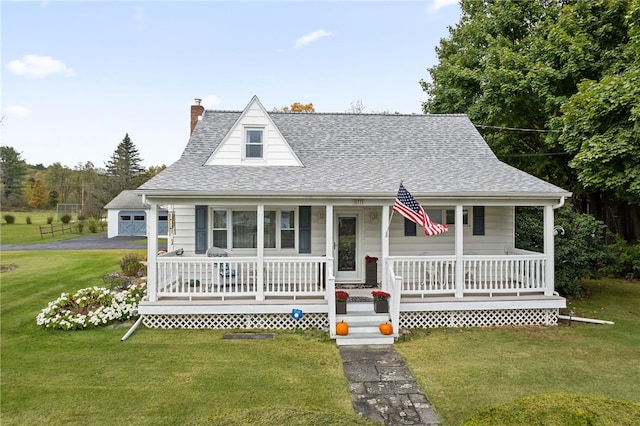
[[363, 326]]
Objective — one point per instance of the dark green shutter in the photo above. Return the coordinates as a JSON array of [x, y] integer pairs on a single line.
[[478, 220], [201, 229], [304, 235]]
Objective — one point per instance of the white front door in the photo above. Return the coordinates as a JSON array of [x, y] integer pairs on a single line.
[[347, 251]]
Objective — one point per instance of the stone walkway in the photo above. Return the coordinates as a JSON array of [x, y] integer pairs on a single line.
[[382, 387]]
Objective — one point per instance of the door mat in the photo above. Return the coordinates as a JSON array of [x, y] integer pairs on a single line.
[[249, 336], [362, 299]]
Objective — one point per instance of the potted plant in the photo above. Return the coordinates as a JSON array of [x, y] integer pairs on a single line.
[[380, 301], [371, 270], [341, 301]]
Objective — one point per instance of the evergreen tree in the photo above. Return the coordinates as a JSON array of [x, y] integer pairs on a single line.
[[124, 169], [12, 172]]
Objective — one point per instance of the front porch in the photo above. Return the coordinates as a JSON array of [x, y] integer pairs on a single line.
[[426, 291]]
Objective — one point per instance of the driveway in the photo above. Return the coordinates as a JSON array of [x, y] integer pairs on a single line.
[[90, 242]]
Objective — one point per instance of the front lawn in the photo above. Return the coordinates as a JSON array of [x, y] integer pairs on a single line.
[[466, 370], [196, 377], [156, 376]]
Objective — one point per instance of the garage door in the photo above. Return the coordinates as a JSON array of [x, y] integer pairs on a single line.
[[163, 222], [132, 223]]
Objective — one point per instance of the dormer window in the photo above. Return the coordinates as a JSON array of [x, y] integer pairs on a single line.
[[254, 143]]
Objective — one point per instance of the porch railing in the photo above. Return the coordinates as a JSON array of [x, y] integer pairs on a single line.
[[482, 275], [240, 277]]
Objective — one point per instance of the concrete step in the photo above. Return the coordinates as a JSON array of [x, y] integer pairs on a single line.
[[359, 339]]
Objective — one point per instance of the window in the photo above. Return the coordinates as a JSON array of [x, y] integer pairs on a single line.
[[245, 228], [287, 229], [220, 228], [279, 229], [451, 217], [253, 143], [410, 227]]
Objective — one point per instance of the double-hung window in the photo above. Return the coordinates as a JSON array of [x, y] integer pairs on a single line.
[[242, 230], [254, 143]]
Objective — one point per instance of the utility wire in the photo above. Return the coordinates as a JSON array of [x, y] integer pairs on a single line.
[[517, 129]]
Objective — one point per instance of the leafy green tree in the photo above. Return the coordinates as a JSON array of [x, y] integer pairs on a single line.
[[514, 68], [124, 169], [58, 178], [12, 172]]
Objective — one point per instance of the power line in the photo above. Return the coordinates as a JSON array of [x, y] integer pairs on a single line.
[[517, 129]]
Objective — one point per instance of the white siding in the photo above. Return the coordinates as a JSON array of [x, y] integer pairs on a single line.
[[277, 151], [498, 235], [185, 228], [112, 223]]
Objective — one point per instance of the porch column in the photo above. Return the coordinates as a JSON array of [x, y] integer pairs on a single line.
[[385, 246], [260, 254], [549, 251], [329, 240], [152, 253], [459, 244]]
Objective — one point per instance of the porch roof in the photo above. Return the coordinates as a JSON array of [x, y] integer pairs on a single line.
[[361, 155]]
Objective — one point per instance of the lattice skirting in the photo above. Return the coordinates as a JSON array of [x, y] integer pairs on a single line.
[[501, 317], [238, 321]]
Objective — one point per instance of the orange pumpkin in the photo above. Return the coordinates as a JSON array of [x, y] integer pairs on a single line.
[[385, 328], [342, 328]]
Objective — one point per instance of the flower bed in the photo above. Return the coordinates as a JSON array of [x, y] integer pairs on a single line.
[[91, 307]]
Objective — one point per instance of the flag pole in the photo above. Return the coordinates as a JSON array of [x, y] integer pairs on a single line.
[[386, 233]]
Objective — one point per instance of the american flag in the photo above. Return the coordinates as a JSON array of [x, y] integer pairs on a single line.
[[408, 207]]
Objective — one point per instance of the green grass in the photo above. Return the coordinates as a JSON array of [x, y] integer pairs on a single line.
[[22, 233], [156, 376], [466, 370], [196, 377]]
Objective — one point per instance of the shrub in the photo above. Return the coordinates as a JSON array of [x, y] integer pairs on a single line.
[[28, 220], [65, 218], [81, 217], [580, 249], [580, 252], [10, 219], [80, 227], [49, 220], [92, 225], [626, 260], [130, 264]]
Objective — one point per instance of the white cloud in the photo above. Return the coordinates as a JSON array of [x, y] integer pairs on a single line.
[[306, 39], [16, 111], [439, 4], [39, 66], [210, 101]]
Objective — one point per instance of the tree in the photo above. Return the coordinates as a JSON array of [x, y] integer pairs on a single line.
[[124, 169], [513, 68], [356, 107], [12, 171], [38, 195], [296, 107], [58, 178]]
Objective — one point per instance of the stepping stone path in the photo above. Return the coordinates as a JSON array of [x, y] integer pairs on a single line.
[[382, 387]]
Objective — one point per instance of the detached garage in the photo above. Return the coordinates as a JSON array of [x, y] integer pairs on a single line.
[[127, 216]]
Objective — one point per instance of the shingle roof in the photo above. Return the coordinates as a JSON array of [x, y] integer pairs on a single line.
[[357, 154], [127, 199]]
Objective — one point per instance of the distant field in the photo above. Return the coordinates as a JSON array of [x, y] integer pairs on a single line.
[[22, 233]]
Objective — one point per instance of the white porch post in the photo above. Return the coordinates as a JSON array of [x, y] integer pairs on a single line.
[[260, 260], [459, 270], [385, 246], [549, 251], [329, 240], [152, 253]]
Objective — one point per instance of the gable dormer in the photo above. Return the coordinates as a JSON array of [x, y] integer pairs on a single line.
[[254, 140]]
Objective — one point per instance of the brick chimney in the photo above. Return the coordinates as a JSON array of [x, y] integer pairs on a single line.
[[196, 111]]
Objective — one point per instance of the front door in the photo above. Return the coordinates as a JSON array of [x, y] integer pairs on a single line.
[[347, 250]]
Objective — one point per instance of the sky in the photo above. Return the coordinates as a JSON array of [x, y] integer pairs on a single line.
[[78, 75]]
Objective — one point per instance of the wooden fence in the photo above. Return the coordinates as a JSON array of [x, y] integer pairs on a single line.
[[53, 229]]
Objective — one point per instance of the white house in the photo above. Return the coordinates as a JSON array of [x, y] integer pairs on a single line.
[[295, 201], [127, 216]]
